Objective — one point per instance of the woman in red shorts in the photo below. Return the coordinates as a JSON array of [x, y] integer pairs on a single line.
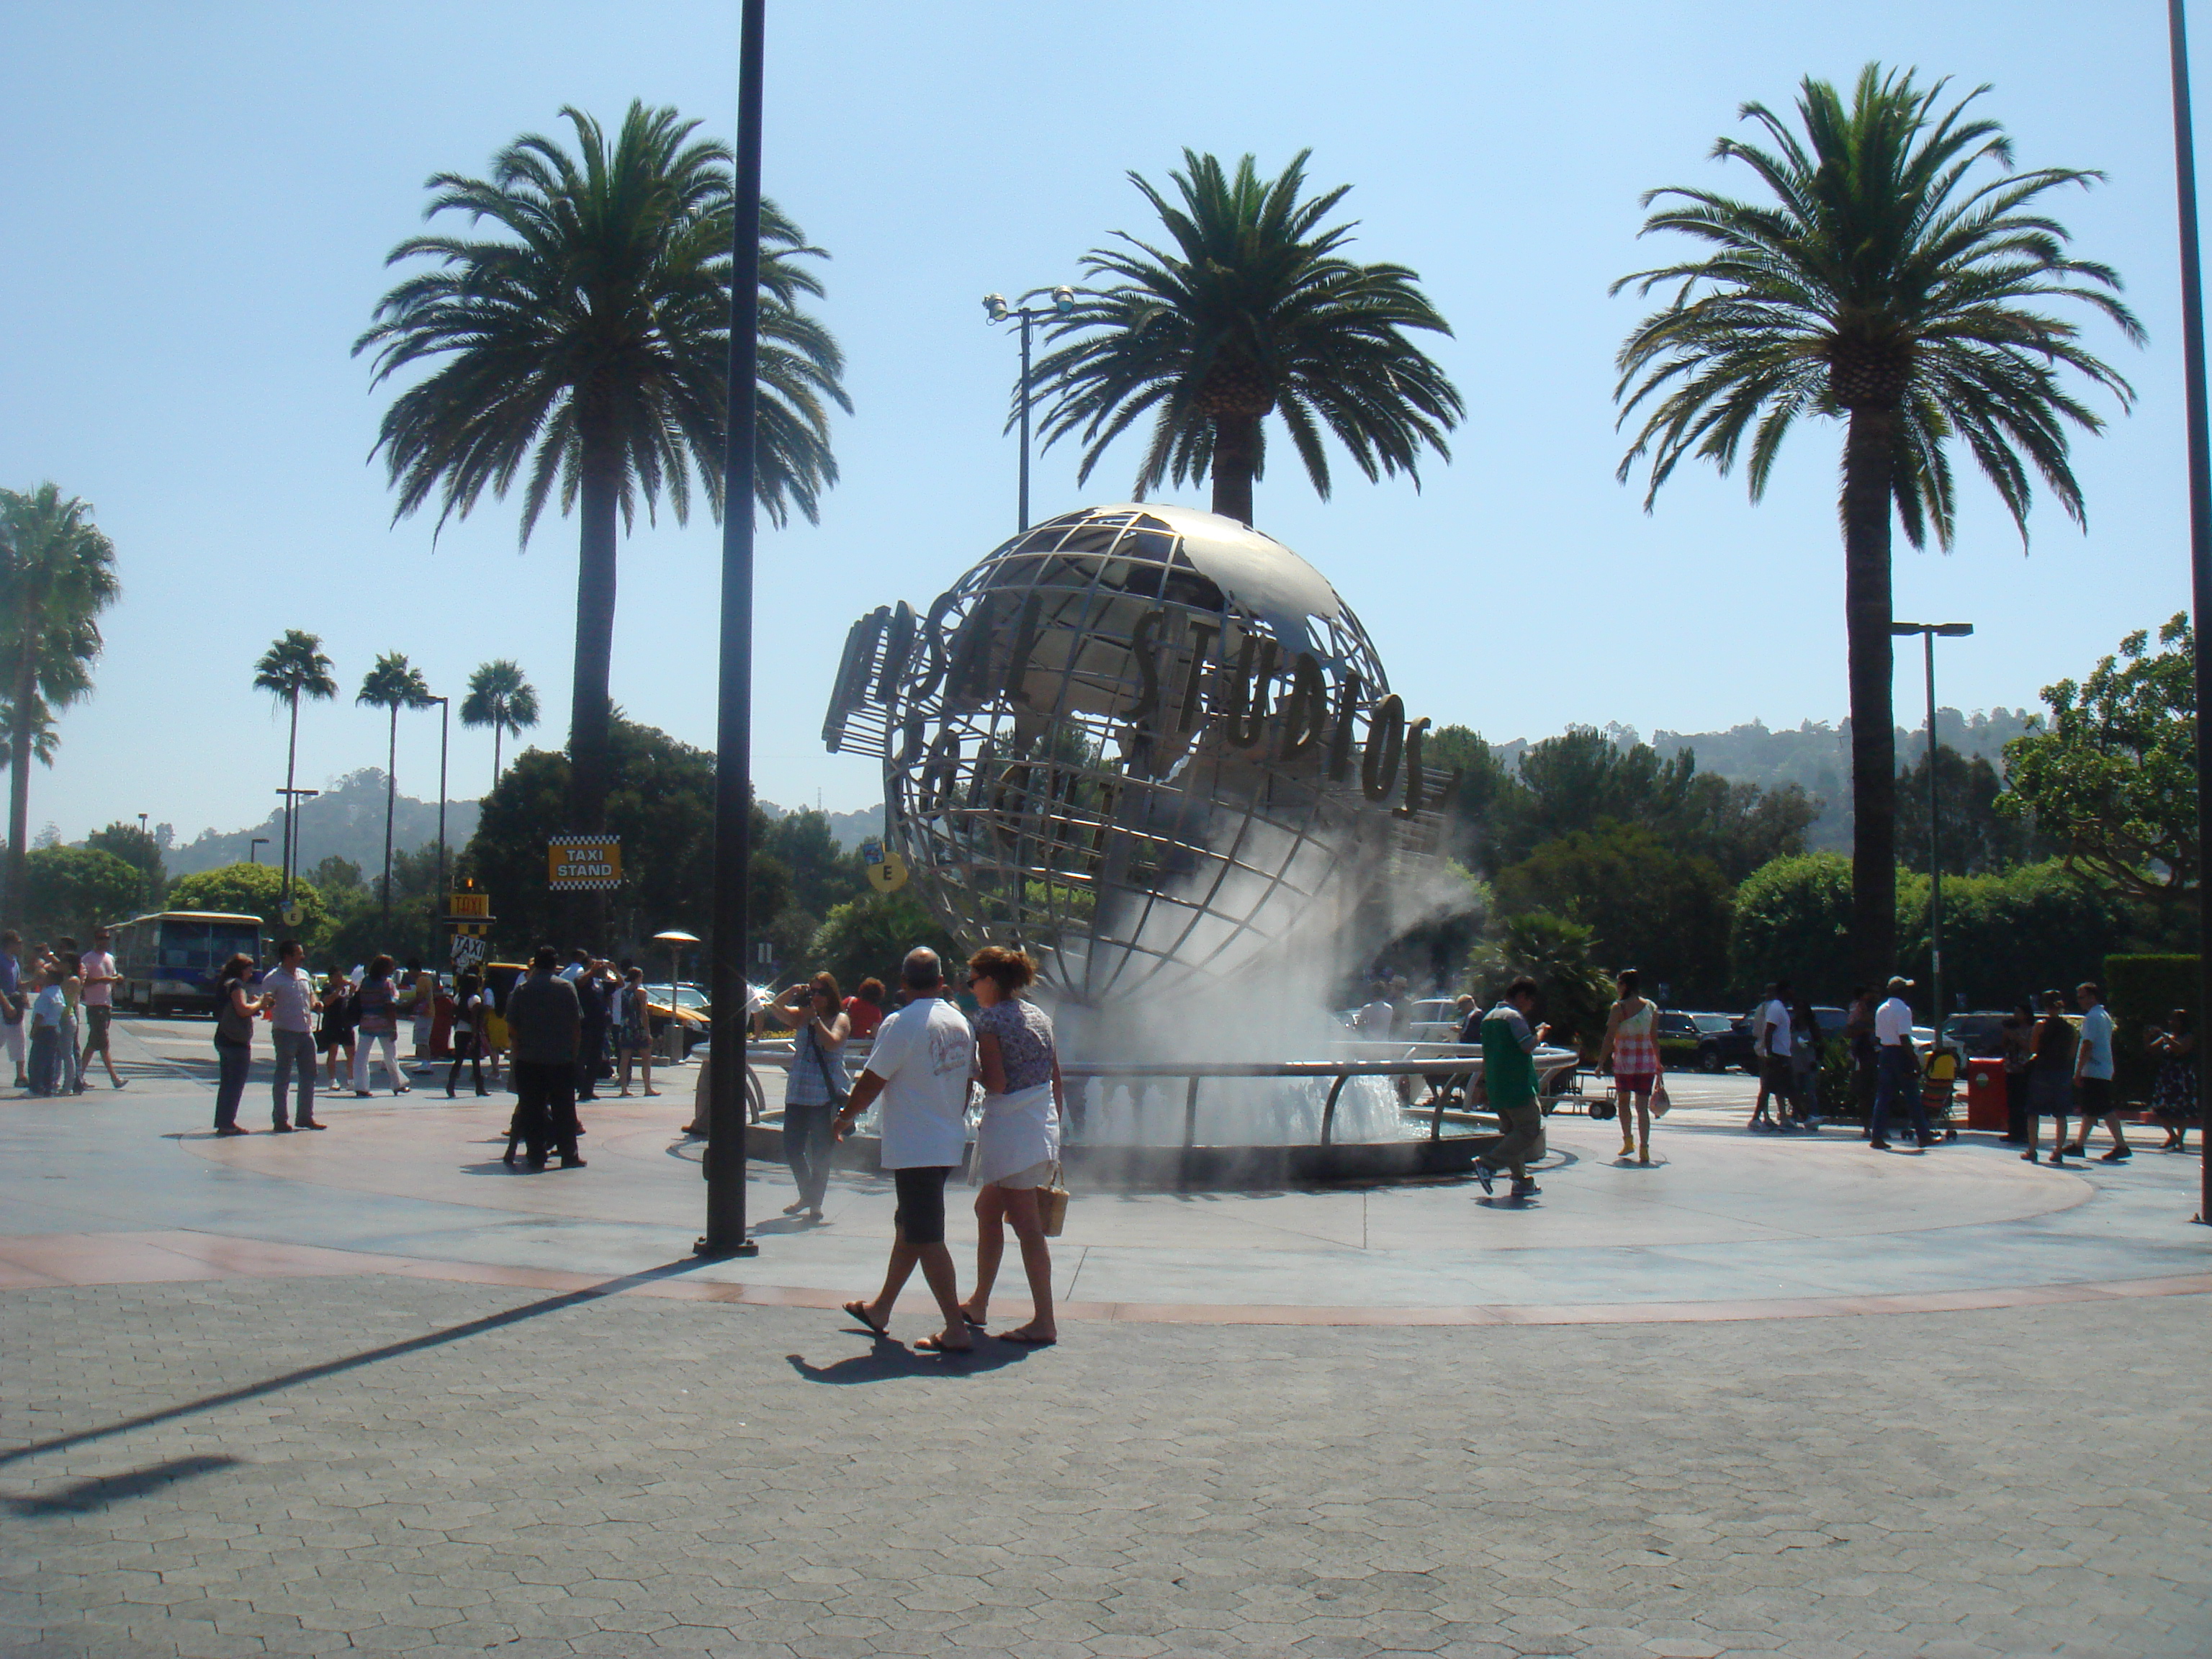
[[1635, 1059]]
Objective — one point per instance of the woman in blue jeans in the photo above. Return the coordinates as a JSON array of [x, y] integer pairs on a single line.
[[816, 1088], [235, 1013]]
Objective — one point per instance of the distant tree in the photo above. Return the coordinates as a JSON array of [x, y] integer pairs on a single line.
[[294, 667], [822, 873], [2112, 778], [72, 890], [256, 889], [587, 344], [1978, 840], [1649, 906], [1891, 276], [870, 937], [393, 684], [1253, 311], [139, 850], [501, 698], [336, 876], [57, 575]]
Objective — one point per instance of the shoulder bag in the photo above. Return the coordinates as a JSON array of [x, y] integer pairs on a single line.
[[230, 1025], [821, 1063]]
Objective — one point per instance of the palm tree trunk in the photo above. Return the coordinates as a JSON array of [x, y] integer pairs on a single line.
[[391, 796], [1869, 459], [18, 783], [588, 722], [1235, 454], [498, 723], [291, 767]]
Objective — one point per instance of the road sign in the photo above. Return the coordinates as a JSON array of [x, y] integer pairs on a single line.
[[469, 951], [293, 915], [886, 869], [584, 863]]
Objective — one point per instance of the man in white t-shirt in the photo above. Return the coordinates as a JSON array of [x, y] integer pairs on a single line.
[[1897, 1073], [1770, 1043], [96, 968], [291, 992], [923, 1057]]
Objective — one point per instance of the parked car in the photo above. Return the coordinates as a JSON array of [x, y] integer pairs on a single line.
[[1710, 1041], [1978, 1035]]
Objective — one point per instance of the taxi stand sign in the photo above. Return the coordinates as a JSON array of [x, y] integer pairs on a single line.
[[584, 864], [469, 919]]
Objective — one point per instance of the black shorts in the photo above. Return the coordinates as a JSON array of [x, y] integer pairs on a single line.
[[96, 1019], [920, 1218], [2094, 1095]]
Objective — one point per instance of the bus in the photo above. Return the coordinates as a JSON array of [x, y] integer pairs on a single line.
[[171, 961]]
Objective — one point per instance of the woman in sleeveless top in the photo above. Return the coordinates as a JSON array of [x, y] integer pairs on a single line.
[[816, 1088], [1017, 1145], [1630, 1049]]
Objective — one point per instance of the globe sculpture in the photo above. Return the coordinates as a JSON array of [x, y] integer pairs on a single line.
[[1146, 744]]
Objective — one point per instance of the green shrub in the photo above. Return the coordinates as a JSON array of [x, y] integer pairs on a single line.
[[2141, 992]]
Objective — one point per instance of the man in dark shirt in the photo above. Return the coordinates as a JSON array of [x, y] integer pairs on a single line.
[[591, 997], [544, 1024]]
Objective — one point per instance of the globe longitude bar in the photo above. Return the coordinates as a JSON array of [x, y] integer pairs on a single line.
[[725, 1111]]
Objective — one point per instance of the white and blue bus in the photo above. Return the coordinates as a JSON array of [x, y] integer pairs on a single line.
[[172, 960]]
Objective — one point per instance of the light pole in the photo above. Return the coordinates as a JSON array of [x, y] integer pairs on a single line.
[[1928, 632], [733, 718], [292, 799], [2200, 527], [253, 849], [445, 730], [996, 310]]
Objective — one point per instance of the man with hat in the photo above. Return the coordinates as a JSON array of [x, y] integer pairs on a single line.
[[1896, 1073]]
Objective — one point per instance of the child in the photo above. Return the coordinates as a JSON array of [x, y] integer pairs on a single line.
[[47, 1043]]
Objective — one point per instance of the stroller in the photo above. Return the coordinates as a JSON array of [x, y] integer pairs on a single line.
[[1939, 1079]]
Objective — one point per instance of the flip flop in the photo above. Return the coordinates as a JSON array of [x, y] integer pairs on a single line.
[[1022, 1335], [972, 1322], [859, 1311], [931, 1344]]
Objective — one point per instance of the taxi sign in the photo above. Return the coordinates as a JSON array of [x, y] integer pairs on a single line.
[[584, 863]]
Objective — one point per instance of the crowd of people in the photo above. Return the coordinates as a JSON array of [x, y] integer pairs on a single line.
[[57, 1005]]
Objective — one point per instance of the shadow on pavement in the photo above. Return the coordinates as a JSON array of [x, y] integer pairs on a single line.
[[355, 1362], [887, 1361], [82, 1496]]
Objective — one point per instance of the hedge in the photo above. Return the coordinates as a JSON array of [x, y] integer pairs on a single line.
[[2142, 991]]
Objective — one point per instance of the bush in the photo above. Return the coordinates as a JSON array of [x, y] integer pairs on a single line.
[[1573, 994], [2142, 991], [71, 890], [1649, 906], [253, 889]]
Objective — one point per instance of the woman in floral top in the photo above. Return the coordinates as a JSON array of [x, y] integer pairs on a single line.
[[1017, 1146]]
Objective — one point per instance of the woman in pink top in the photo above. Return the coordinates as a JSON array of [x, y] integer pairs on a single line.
[[1631, 1047]]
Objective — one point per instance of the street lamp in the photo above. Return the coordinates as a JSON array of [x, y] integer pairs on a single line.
[[292, 799], [445, 731], [1928, 632], [733, 715], [996, 310], [254, 848]]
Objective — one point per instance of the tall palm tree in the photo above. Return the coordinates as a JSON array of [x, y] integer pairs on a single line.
[[1892, 282], [291, 668], [1253, 311], [501, 698], [57, 575], [45, 741], [589, 342], [394, 684]]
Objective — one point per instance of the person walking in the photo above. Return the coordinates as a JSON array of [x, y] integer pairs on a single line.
[[1018, 1142], [598, 1014], [68, 958], [288, 991], [1805, 1064], [2092, 1076], [545, 1026], [2016, 1051], [378, 1025], [924, 1057], [96, 970], [14, 1002], [47, 1008], [468, 1031], [634, 1029], [816, 1088], [1898, 1073], [1770, 1029], [1866, 1056], [334, 1025], [1631, 1052], [2050, 1077], [235, 1013], [2174, 1103], [1509, 1079], [418, 1002]]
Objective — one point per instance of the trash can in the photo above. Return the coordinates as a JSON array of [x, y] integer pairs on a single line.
[[1985, 1095]]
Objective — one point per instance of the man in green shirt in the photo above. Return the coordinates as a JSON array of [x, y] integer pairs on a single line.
[[1509, 1082]]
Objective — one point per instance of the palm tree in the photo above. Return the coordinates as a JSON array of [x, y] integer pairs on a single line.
[[590, 343], [393, 684], [501, 698], [1892, 284], [1255, 311], [57, 575], [292, 667]]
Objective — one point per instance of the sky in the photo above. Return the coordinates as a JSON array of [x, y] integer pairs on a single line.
[[199, 201]]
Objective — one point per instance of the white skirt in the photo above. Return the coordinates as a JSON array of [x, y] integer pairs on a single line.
[[1018, 1131]]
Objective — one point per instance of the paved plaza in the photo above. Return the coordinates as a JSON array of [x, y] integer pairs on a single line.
[[368, 1389]]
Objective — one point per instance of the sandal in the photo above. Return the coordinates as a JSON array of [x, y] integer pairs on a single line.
[[1026, 1338], [932, 1345], [859, 1311]]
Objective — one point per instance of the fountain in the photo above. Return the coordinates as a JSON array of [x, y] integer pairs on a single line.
[[1156, 750]]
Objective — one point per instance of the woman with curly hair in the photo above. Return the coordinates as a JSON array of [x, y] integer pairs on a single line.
[[1017, 1145]]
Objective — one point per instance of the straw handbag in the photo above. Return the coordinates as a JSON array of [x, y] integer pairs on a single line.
[[1052, 1204], [1660, 1103]]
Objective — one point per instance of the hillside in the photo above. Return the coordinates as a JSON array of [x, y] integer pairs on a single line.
[[346, 819]]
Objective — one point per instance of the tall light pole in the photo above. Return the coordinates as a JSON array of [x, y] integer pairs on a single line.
[[292, 799], [733, 719], [254, 848], [2200, 526], [996, 310], [1928, 632], [444, 731]]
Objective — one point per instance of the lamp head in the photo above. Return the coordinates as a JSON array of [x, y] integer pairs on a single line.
[[1954, 631], [1063, 300], [1903, 630], [995, 307]]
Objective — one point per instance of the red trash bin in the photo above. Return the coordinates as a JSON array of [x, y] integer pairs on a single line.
[[1985, 1096]]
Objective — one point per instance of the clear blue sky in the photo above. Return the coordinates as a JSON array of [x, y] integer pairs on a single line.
[[200, 199]]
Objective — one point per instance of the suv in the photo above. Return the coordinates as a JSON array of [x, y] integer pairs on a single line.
[[1712, 1043], [1975, 1036]]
